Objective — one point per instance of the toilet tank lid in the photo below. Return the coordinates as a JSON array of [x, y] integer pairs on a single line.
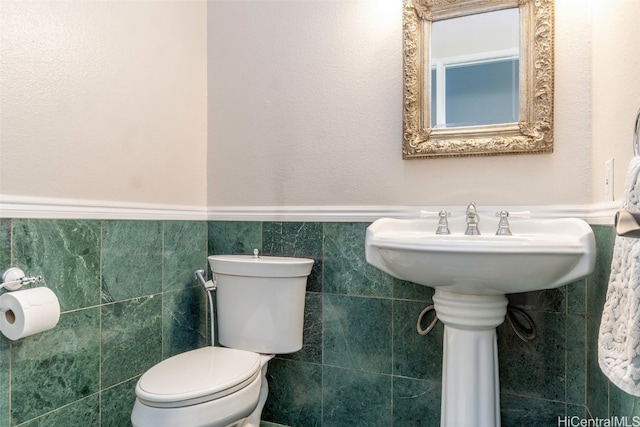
[[263, 266]]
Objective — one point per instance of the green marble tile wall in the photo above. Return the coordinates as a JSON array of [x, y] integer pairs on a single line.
[[364, 364], [604, 400], [127, 301]]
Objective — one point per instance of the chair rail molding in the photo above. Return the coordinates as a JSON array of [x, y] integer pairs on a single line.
[[52, 208]]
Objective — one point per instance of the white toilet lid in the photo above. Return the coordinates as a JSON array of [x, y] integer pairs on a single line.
[[198, 376]]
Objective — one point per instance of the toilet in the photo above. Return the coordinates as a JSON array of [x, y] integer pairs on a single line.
[[260, 313]]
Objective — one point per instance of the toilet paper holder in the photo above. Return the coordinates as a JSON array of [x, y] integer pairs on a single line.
[[14, 278]]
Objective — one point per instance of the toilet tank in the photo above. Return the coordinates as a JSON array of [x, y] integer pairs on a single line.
[[260, 301]]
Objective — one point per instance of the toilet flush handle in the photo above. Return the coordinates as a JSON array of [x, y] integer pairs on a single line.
[[209, 285]]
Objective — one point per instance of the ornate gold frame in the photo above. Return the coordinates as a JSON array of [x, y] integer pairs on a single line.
[[534, 131]]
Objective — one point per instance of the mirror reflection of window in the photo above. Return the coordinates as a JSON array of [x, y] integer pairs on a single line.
[[482, 94], [475, 70], [434, 97]]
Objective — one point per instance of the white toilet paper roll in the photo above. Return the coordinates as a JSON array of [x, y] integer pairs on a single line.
[[24, 313]]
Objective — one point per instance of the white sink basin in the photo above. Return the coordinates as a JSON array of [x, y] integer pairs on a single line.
[[471, 275], [541, 254]]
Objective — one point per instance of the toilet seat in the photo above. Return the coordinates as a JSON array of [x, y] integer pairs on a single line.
[[197, 376]]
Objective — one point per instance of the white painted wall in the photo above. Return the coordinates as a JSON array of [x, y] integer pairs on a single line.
[[305, 108], [616, 88], [104, 100], [108, 100]]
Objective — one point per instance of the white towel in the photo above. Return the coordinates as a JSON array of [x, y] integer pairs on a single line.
[[619, 337]]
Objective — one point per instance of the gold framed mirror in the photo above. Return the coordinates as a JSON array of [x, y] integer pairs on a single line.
[[447, 99]]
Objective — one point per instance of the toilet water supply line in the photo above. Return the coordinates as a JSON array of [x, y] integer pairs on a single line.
[[525, 333], [210, 287]]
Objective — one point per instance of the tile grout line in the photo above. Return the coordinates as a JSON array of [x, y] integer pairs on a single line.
[[322, 364], [100, 324], [9, 403], [162, 289]]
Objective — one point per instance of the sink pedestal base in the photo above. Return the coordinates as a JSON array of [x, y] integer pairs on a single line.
[[470, 383]]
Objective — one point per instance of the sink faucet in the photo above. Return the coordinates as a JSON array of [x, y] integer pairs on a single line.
[[472, 220]]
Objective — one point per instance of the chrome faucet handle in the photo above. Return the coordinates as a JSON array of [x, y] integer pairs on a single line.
[[503, 223], [472, 220], [443, 224]]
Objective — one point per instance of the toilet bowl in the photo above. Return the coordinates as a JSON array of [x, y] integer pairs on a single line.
[[210, 386], [260, 312]]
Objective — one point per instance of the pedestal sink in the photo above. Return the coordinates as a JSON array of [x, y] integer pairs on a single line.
[[471, 275]]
